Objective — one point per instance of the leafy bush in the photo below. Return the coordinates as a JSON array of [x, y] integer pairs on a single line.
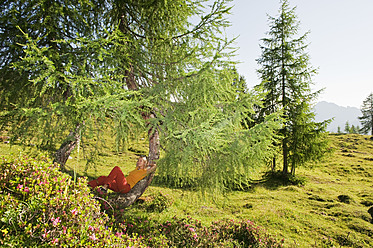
[[42, 207]]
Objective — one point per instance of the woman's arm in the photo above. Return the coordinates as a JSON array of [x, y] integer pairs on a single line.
[[151, 169]]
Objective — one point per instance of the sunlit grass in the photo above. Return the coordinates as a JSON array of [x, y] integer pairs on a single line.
[[331, 208]]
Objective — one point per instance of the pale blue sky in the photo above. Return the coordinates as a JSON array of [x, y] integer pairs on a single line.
[[341, 43]]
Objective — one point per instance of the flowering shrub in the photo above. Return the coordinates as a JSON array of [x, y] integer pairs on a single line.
[[40, 206], [187, 232], [243, 233]]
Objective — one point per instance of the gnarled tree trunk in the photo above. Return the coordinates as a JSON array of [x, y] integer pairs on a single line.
[[125, 200]]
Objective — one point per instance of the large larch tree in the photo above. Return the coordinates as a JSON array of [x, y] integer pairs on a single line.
[[133, 66]]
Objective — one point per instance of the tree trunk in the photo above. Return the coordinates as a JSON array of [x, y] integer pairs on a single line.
[[273, 164], [371, 120], [125, 200], [293, 169], [284, 103], [285, 169], [63, 153]]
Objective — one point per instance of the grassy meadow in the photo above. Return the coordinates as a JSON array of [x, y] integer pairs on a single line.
[[329, 209]]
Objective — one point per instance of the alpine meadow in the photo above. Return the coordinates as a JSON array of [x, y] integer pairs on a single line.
[[89, 86]]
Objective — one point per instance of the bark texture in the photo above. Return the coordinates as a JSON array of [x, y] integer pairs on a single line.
[[63, 153]]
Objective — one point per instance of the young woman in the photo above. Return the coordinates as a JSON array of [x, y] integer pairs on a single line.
[[116, 181]]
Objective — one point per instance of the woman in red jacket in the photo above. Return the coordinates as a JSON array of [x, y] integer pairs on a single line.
[[116, 181]]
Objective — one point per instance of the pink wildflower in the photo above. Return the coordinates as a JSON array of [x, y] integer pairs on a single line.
[[43, 182], [74, 211], [55, 240], [26, 190], [44, 235], [64, 229], [191, 229], [20, 186], [195, 236], [55, 221], [118, 234], [93, 237], [91, 228]]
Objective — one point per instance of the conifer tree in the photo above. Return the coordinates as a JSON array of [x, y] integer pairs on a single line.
[[347, 127], [140, 66], [286, 76], [366, 119], [353, 129]]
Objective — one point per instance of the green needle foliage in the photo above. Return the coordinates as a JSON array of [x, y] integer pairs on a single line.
[[132, 66], [287, 79], [367, 118]]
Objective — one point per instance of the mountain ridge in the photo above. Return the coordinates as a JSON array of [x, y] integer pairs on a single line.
[[328, 110]]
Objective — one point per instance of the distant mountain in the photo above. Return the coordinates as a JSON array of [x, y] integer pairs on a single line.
[[327, 110]]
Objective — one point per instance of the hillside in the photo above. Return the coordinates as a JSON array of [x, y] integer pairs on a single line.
[[330, 209]]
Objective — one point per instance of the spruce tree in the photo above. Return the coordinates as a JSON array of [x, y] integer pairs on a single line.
[[286, 76], [366, 119]]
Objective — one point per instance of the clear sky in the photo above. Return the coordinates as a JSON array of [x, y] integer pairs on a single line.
[[340, 43]]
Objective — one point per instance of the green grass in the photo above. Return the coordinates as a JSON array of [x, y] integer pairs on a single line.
[[333, 204]]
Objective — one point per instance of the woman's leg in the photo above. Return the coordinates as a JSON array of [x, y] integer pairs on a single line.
[[97, 182], [117, 181]]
